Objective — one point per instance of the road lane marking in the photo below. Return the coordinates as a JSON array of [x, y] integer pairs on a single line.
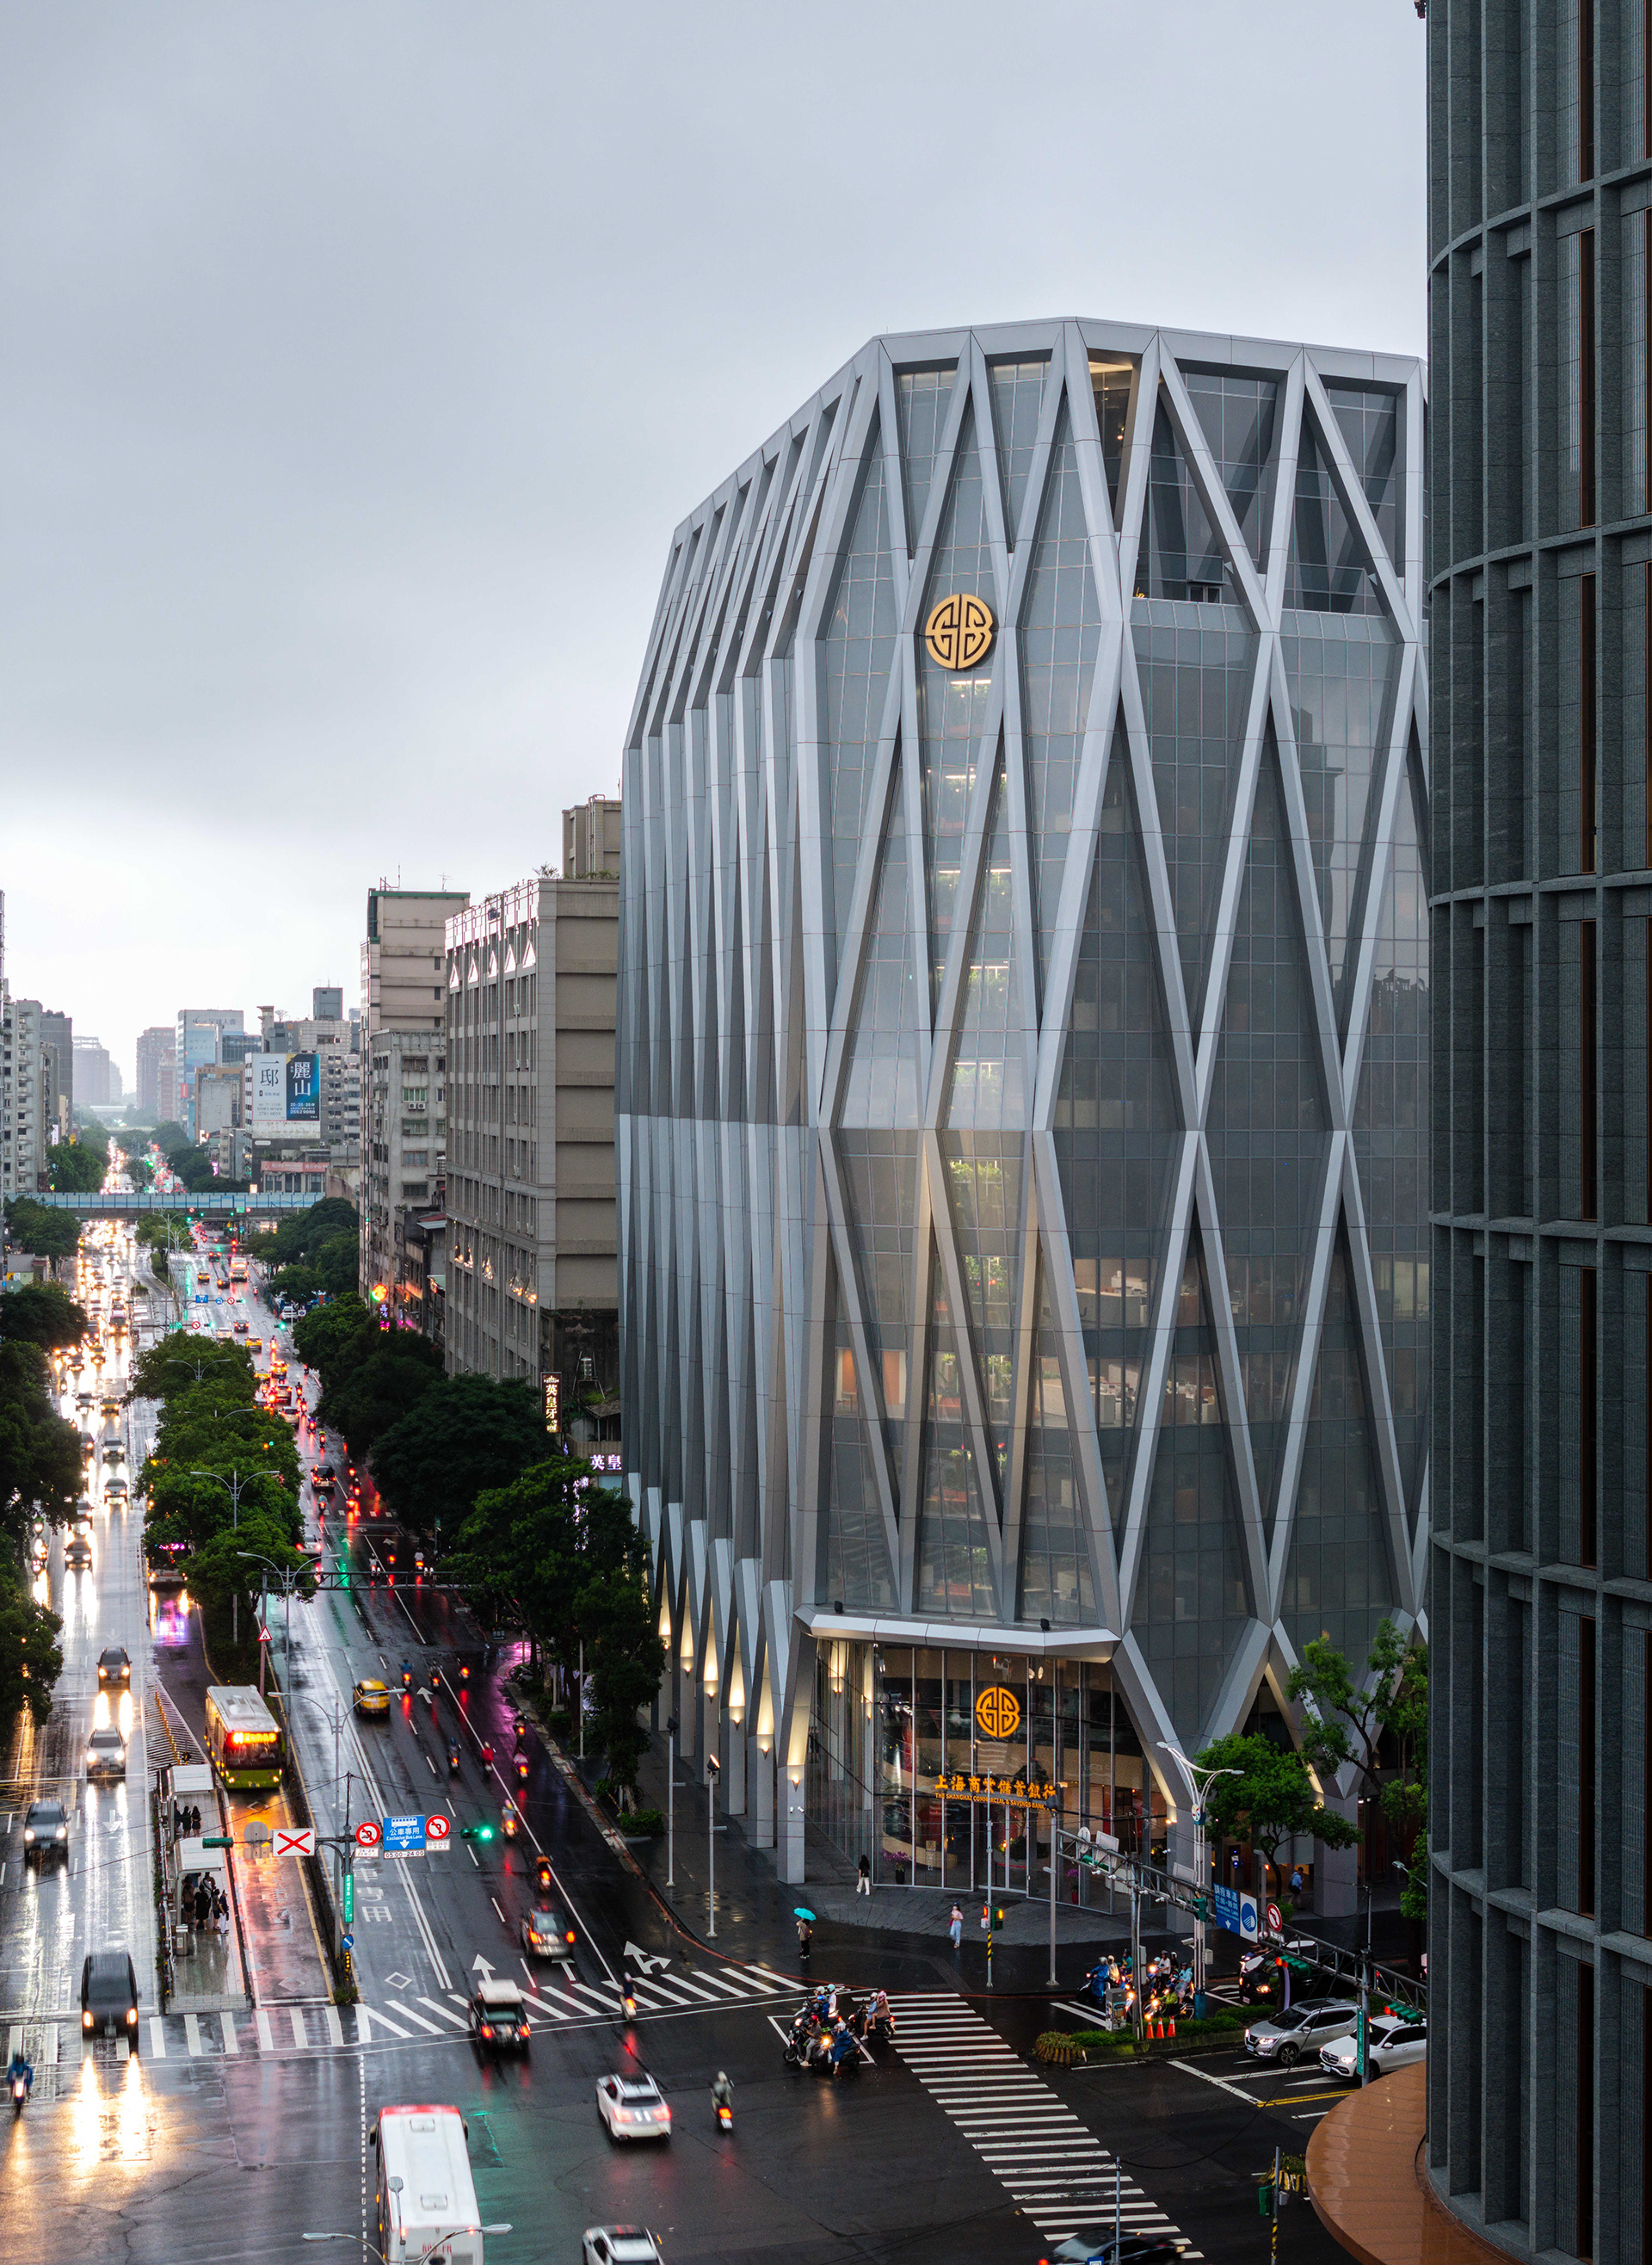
[[334, 2026], [231, 2043], [300, 2038], [191, 2031], [407, 2014], [157, 2036], [458, 2020], [267, 2040], [1205, 2077], [557, 2012]]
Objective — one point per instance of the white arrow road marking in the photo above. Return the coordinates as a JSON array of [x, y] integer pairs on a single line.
[[644, 1962], [479, 1965]]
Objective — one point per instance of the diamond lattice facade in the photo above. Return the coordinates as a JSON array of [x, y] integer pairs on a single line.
[[1023, 1014]]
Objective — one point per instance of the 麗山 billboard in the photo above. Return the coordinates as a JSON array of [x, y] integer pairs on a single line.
[[286, 1094]]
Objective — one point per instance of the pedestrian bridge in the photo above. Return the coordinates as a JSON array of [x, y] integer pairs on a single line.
[[133, 1204]]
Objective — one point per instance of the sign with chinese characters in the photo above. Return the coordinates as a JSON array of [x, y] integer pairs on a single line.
[[961, 1787], [1237, 1912], [553, 1402]]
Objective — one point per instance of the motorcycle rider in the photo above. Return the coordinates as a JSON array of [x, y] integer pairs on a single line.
[[17, 2066], [721, 2094]]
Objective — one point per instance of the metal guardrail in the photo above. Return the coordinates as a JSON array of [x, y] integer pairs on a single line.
[[1327, 1963]]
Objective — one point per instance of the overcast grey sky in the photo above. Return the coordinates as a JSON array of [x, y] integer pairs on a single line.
[[358, 360]]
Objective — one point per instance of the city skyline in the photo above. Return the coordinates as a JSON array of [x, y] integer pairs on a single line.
[[276, 538]]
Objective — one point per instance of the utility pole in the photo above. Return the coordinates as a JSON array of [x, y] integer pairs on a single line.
[[712, 1772], [672, 1728], [1199, 1783], [1055, 1861]]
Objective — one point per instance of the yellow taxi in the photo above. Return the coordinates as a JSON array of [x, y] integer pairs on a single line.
[[254, 1344], [371, 1697]]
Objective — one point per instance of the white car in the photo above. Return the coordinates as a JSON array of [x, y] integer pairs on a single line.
[[633, 2107], [106, 1754], [1390, 2043], [620, 2245]]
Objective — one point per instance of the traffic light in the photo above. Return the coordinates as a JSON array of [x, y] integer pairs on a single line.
[[475, 1831]]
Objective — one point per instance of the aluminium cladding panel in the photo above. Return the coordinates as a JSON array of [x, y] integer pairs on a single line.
[[1542, 1640], [1068, 1000]]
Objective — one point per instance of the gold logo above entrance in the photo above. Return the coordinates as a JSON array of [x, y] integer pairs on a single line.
[[998, 1712], [959, 632]]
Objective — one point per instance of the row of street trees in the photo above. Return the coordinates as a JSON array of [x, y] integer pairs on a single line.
[[315, 1252], [465, 1462], [221, 1487], [39, 1463]]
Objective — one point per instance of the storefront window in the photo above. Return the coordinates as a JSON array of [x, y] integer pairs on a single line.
[[929, 1693], [896, 1756]]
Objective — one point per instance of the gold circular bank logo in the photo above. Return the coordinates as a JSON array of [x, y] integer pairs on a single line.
[[959, 632], [998, 1712]]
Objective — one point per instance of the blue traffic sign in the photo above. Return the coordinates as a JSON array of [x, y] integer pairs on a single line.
[[1237, 1912], [403, 1835], [346, 1942]]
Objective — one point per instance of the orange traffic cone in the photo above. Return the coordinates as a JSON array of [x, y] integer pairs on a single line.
[[1173, 2028]]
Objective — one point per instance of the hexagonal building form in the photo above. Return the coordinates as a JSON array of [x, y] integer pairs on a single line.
[[1024, 1027]]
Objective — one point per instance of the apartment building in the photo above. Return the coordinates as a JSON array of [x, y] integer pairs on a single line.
[[402, 1023], [531, 1262]]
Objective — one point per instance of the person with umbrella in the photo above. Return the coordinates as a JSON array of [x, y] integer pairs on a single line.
[[805, 1931]]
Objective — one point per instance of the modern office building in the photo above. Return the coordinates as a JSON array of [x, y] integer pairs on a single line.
[[326, 1003], [152, 1044], [1539, 2123], [197, 1040], [1025, 1271], [532, 1232], [403, 996], [220, 1100]]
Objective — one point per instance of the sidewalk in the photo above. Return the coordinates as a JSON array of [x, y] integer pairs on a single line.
[[754, 1907], [275, 1936]]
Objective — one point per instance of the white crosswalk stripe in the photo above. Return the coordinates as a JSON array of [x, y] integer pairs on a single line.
[[289, 2030], [1050, 2163]]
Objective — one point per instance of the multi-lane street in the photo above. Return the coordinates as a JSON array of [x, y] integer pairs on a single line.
[[234, 2132]]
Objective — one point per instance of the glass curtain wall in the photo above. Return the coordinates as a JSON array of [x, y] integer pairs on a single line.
[[897, 1736]]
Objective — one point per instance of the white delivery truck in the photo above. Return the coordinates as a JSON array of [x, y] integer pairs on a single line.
[[426, 2205]]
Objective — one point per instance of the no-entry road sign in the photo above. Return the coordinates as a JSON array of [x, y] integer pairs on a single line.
[[438, 1831], [368, 1837]]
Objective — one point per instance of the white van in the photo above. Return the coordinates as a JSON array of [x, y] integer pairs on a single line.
[[425, 2203]]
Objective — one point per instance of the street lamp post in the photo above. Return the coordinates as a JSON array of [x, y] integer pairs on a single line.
[[672, 1727], [1199, 1782], [232, 1486], [712, 1774], [289, 1580]]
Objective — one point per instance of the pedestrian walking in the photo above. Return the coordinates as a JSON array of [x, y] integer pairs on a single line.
[[863, 1885], [955, 1928], [805, 1938]]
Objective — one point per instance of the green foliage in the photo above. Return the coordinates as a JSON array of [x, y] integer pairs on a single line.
[[31, 1659], [303, 1237], [1271, 1799], [1414, 1897], [39, 1230], [465, 1435], [1381, 1729], [392, 1380], [170, 1134], [40, 1450], [225, 1569], [561, 1554], [177, 1359], [163, 1230], [193, 1167], [322, 1340], [42, 1314], [78, 1166]]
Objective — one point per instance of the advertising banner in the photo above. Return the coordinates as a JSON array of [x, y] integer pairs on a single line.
[[286, 1094]]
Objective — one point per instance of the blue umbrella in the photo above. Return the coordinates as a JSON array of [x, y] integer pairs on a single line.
[[801, 1913]]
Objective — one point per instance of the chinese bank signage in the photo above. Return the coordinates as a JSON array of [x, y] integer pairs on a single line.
[[285, 1095]]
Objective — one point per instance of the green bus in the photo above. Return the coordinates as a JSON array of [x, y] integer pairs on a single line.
[[244, 1742]]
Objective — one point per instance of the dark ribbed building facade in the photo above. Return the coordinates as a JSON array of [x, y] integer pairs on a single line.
[[1541, 566]]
